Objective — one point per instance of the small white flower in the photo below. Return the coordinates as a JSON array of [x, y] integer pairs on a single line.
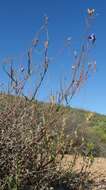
[[90, 11]]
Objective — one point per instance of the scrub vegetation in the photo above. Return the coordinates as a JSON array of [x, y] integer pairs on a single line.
[[35, 137]]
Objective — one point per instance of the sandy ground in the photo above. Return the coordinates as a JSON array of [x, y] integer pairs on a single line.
[[98, 170]]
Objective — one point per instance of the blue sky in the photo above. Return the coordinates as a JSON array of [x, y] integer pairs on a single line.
[[19, 20]]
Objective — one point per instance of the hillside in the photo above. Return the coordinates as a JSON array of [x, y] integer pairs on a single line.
[[38, 138], [77, 123]]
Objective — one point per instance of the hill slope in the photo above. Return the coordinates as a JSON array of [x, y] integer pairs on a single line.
[[80, 123]]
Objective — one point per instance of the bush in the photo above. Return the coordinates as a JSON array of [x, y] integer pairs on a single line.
[[32, 138], [32, 150]]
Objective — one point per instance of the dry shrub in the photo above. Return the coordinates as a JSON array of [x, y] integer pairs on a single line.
[[32, 145], [32, 138]]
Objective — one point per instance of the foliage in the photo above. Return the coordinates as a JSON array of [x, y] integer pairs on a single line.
[[32, 150]]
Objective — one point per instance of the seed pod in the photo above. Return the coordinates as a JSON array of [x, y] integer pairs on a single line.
[[46, 44]]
